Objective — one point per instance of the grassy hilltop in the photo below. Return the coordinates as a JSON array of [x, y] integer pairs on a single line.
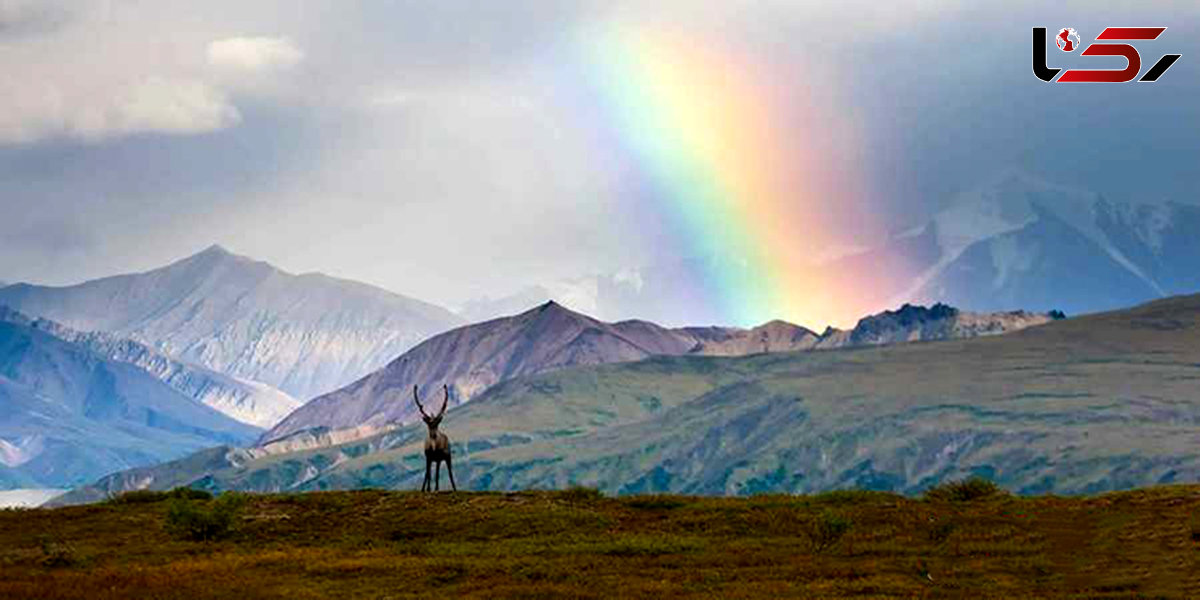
[[579, 544]]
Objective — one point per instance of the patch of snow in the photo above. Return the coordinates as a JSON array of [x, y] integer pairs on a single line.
[[17, 452], [1008, 258], [28, 498]]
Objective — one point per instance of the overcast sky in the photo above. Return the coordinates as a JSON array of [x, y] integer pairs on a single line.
[[446, 150]]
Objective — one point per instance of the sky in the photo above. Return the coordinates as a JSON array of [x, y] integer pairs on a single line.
[[450, 150]]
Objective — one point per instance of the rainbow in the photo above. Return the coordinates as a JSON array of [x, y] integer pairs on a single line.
[[730, 166]]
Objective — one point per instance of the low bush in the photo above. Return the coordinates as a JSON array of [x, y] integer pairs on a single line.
[[151, 496], [56, 554], [655, 502], [577, 493], [851, 496], [188, 493], [827, 529], [138, 497], [964, 490], [189, 520]]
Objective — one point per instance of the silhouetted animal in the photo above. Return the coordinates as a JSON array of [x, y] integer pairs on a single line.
[[437, 445]]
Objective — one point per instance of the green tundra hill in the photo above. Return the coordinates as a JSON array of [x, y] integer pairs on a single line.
[[1085, 405]]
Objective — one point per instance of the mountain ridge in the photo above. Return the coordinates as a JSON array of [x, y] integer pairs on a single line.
[[899, 418], [72, 414], [474, 357], [250, 402], [304, 334]]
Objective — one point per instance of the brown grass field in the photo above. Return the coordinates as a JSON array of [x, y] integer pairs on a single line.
[[578, 544]]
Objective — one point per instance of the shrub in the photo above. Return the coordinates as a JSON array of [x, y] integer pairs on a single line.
[[151, 496], [940, 531], [655, 502], [852, 496], [963, 490], [825, 530], [188, 493], [138, 497], [577, 493], [189, 521], [56, 554]]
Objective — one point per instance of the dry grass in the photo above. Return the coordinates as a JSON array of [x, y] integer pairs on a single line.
[[374, 544]]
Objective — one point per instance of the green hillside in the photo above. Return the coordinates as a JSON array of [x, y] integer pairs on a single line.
[[1089, 404]]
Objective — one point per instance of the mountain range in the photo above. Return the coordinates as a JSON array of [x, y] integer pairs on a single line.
[[1014, 242], [1093, 403], [473, 358], [564, 404], [71, 415], [302, 334], [247, 401]]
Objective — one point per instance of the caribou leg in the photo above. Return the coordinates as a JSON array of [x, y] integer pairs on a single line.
[[437, 477], [450, 470], [425, 486]]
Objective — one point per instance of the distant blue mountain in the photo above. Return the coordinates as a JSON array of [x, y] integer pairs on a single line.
[[71, 415], [303, 334]]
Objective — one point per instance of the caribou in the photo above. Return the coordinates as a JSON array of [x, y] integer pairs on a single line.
[[437, 445]]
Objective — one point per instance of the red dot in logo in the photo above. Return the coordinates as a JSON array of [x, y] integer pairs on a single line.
[[1067, 39]]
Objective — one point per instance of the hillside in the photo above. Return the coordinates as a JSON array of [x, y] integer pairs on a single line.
[[249, 402], [71, 415], [303, 334], [892, 417], [475, 357], [575, 544], [471, 359]]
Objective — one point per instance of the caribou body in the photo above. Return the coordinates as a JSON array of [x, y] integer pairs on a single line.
[[437, 445]]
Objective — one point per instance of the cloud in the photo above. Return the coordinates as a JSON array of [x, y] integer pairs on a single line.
[[24, 17], [253, 53], [152, 105]]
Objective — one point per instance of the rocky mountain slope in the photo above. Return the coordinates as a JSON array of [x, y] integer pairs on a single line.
[[1088, 404], [71, 415], [246, 401], [303, 334], [473, 358]]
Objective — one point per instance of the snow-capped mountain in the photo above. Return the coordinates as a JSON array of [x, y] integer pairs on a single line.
[[1025, 242], [70, 415], [1015, 242], [250, 402], [303, 334]]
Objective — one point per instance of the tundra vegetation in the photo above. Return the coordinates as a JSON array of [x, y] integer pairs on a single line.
[[963, 539]]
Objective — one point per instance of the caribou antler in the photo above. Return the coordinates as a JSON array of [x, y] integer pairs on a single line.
[[417, 399], [445, 401]]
